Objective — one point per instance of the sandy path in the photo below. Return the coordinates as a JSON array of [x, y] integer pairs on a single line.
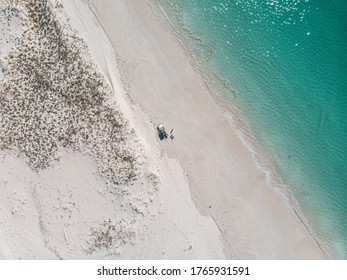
[[5, 248], [253, 220]]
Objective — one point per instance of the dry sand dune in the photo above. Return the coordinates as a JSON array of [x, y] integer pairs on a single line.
[[70, 208]]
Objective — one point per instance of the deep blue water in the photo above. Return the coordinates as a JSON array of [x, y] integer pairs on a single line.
[[284, 63]]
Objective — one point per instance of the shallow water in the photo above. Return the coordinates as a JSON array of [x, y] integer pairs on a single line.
[[284, 63]]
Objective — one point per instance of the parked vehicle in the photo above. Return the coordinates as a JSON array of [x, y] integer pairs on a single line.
[[161, 132]]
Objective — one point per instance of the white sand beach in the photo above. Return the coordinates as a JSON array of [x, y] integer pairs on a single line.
[[197, 196]]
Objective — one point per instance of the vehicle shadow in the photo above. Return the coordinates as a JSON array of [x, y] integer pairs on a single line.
[[161, 136]]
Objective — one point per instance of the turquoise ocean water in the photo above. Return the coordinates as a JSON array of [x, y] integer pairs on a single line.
[[284, 63]]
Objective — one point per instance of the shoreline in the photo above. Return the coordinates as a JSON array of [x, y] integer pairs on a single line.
[[194, 190], [238, 122]]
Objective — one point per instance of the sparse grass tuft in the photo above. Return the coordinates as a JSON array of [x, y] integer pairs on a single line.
[[109, 236]]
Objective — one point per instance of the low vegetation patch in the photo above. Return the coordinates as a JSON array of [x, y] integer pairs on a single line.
[[109, 236], [54, 97]]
